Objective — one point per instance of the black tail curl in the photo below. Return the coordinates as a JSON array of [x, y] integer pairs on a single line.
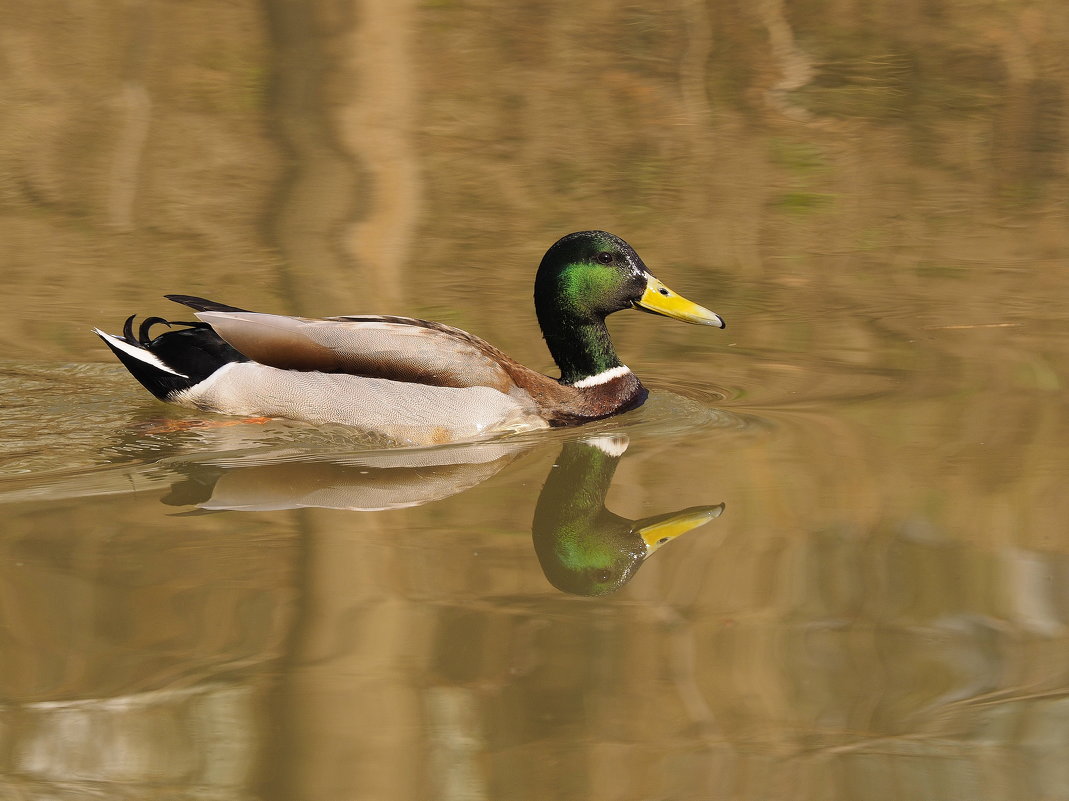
[[190, 353], [144, 338]]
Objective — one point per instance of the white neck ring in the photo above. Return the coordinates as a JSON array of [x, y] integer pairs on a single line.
[[603, 377]]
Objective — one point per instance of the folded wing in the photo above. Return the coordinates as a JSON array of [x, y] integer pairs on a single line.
[[395, 348]]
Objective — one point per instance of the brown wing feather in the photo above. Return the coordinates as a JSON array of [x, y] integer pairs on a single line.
[[397, 348]]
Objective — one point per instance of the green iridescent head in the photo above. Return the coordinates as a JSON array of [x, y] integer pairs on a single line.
[[587, 276]]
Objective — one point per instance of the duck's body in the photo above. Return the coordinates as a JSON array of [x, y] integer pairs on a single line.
[[414, 381]]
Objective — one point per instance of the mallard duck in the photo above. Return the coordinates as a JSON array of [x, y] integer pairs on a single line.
[[413, 381]]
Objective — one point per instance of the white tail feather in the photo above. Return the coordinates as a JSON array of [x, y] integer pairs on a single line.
[[138, 353]]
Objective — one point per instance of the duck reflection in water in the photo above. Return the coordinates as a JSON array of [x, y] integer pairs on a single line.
[[583, 548], [372, 481]]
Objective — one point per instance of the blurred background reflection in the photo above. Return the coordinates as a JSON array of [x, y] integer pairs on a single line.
[[873, 195]]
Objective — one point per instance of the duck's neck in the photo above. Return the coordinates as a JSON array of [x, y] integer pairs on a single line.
[[582, 350]]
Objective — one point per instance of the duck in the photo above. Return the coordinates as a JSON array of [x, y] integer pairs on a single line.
[[412, 381]]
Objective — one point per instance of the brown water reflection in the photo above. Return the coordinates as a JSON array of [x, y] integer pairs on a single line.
[[874, 195]]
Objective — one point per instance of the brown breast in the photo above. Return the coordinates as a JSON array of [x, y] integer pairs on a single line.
[[564, 405]]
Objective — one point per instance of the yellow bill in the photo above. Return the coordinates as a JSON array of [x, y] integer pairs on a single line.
[[656, 531], [659, 299]]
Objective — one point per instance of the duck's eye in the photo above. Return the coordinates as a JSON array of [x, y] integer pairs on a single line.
[[664, 291], [605, 258]]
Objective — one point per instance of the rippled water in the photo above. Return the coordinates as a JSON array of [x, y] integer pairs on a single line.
[[826, 560]]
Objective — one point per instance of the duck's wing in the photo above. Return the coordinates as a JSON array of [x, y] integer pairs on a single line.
[[395, 348]]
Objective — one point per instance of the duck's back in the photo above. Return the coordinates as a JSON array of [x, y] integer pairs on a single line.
[[397, 348]]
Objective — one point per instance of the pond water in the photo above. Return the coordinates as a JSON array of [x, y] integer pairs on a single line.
[[859, 485]]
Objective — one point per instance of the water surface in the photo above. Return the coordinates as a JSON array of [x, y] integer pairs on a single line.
[[864, 592]]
